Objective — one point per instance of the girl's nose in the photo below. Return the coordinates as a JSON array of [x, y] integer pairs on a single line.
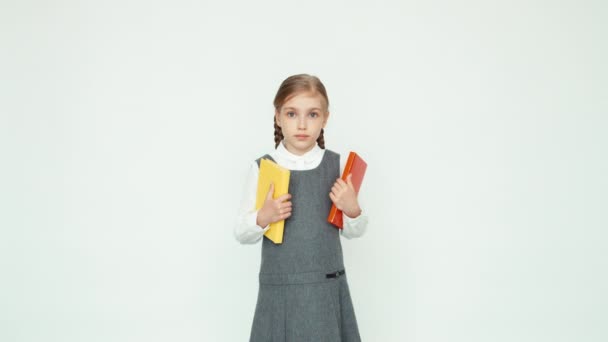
[[302, 123]]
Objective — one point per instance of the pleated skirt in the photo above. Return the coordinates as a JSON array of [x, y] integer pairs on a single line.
[[321, 312]]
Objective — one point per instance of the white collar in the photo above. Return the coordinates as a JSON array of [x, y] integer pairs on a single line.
[[307, 157]]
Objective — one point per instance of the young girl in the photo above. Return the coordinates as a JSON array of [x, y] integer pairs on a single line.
[[303, 290]]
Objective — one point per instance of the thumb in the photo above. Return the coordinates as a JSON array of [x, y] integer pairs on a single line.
[[270, 191], [349, 179]]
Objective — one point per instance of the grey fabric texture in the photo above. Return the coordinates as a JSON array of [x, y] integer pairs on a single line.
[[296, 301]]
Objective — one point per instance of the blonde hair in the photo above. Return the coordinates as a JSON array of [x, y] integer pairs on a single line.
[[292, 85]]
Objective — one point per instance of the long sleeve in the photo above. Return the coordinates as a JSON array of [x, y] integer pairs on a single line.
[[246, 230], [354, 227]]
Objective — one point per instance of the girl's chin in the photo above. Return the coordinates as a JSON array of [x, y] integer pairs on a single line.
[[301, 146], [301, 142]]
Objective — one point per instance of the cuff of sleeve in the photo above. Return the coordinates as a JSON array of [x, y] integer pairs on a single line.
[[252, 220], [354, 227], [346, 218]]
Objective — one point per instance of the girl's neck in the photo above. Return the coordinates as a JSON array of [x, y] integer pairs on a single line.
[[295, 152]]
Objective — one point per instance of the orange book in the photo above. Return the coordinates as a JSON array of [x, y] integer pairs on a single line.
[[357, 167]]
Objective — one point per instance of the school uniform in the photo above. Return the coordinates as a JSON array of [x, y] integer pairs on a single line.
[[303, 289], [246, 231]]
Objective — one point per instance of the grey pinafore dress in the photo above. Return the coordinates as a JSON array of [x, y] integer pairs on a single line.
[[301, 298]]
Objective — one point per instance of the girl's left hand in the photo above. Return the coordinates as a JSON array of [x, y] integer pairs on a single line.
[[345, 198]]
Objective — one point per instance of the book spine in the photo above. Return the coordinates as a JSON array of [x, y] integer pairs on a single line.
[[349, 165], [334, 213]]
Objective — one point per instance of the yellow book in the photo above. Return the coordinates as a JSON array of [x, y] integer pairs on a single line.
[[279, 176]]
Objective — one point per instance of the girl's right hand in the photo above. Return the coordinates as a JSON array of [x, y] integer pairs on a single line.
[[274, 210]]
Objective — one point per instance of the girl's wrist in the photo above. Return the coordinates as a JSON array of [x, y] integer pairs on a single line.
[[260, 221], [261, 224], [353, 213]]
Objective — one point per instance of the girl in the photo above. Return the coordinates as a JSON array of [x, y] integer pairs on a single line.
[[303, 290]]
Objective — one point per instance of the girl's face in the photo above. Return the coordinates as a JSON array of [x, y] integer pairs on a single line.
[[301, 119]]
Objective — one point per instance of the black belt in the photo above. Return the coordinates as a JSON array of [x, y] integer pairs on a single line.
[[298, 278], [335, 274]]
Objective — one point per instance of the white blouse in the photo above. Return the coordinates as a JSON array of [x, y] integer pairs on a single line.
[[246, 230]]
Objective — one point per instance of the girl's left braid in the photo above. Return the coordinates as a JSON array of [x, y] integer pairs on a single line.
[[321, 140]]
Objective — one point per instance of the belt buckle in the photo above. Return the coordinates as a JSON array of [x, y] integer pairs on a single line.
[[336, 274]]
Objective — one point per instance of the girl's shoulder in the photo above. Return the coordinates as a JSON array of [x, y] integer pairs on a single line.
[[264, 156], [331, 151], [332, 154]]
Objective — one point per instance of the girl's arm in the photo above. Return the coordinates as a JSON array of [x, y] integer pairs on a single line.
[[246, 231], [353, 227]]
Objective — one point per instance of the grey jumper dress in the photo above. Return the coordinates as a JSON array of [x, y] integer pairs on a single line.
[[303, 292]]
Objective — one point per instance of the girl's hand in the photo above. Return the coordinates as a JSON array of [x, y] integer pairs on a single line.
[[274, 210], [344, 196]]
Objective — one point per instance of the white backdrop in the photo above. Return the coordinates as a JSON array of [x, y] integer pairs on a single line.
[[127, 128]]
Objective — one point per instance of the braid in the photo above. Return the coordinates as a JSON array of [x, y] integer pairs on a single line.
[[321, 140], [278, 134]]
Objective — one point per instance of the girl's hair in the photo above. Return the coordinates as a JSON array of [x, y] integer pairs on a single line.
[[293, 85]]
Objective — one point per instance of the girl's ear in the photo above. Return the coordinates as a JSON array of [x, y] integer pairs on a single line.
[[326, 117], [276, 117]]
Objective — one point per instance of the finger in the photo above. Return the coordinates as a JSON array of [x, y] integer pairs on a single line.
[[341, 182], [270, 191], [336, 194], [285, 207], [349, 179], [283, 198], [333, 197]]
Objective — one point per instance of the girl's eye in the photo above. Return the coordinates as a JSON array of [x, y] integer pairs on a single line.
[[314, 114], [291, 114]]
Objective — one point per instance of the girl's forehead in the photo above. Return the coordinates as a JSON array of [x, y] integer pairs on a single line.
[[305, 100]]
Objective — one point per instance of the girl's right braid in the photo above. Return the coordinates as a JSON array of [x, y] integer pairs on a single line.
[[278, 133]]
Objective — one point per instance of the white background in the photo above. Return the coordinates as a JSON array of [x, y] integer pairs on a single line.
[[127, 128]]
